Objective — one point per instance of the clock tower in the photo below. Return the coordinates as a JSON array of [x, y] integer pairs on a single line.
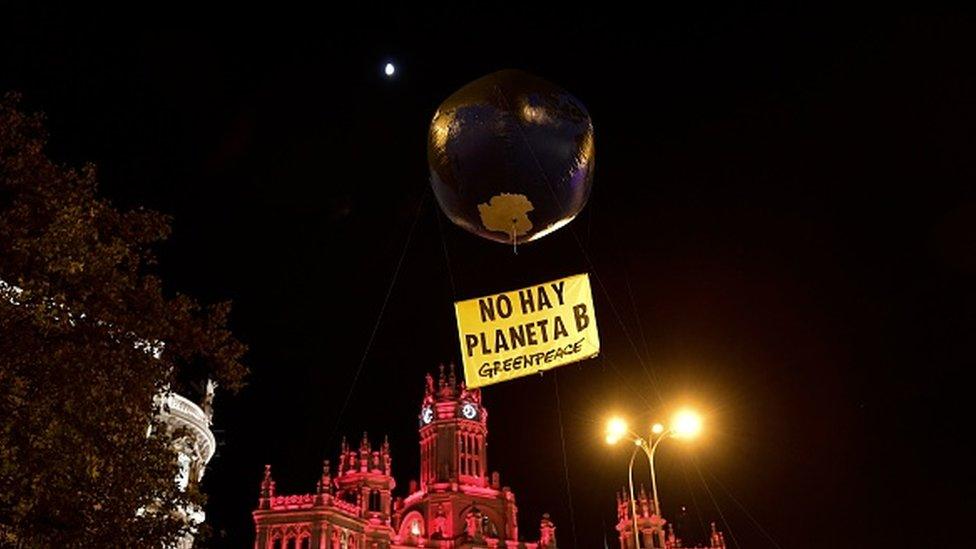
[[456, 505], [453, 436]]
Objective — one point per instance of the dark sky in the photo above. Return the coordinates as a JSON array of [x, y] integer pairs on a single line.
[[782, 224]]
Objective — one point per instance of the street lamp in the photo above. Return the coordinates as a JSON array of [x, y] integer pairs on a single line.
[[684, 424]]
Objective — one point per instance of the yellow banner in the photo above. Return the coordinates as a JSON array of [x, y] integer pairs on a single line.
[[518, 333]]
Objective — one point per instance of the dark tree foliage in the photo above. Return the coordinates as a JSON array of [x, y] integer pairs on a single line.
[[78, 306]]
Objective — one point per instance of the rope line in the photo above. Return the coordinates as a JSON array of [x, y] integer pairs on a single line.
[[715, 503], [633, 306], [623, 379], [562, 439], [447, 256], [592, 267], [606, 293], [586, 255], [746, 511], [379, 318], [694, 501]]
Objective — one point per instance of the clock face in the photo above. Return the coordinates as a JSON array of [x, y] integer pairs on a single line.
[[469, 411], [427, 415]]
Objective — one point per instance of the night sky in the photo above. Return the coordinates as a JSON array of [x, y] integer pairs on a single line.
[[781, 232]]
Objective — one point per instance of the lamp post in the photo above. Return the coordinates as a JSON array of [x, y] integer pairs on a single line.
[[685, 424]]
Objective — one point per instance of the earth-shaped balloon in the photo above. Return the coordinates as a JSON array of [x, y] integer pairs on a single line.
[[511, 157]]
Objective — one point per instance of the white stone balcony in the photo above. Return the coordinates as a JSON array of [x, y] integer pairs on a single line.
[[179, 411]]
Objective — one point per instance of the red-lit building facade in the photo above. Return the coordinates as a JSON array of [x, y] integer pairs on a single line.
[[653, 530], [456, 504]]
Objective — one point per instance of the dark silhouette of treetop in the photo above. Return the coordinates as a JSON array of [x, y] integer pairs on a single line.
[[88, 338]]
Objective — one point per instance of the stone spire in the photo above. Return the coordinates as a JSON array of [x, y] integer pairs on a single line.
[[344, 464], [717, 540], [325, 482], [547, 532], [267, 489], [623, 508], [447, 385], [387, 463], [364, 453], [451, 378], [644, 503], [267, 484]]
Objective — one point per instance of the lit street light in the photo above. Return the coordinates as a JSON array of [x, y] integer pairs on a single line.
[[684, 424], [616, 429]]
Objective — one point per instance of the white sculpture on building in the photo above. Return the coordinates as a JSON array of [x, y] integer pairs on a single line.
[[177, 412], [194, 449]]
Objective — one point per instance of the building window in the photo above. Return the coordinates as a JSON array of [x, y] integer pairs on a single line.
[[488, 527], [461, 468]]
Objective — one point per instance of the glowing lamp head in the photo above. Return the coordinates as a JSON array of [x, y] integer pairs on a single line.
[[616, 429], [686, 424], [389, 69], [415, 528], [657, 428]]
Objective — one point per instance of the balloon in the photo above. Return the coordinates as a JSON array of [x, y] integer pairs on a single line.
[[511, 157]]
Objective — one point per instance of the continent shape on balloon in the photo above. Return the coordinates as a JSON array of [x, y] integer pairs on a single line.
[[511, 157]]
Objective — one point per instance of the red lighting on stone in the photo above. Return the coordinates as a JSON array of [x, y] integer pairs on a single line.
[[456, 504]]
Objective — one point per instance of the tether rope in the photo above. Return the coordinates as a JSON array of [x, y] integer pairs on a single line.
[[586, 256], [694, 500], [718, 508], [379, 317], [746, 511], [562, 439], [606, 293], [447, 256]]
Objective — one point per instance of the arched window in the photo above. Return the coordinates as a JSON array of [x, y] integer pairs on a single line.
[[375, 501], [488, 527], [306, 543], [276, 543], [412, 525], [461, 454]]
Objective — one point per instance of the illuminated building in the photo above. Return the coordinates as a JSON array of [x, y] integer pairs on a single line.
[[456, 504], [654, 531], [194, 448], [196, 444]]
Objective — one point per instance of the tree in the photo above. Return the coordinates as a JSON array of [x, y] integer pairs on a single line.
[[80, 315]]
